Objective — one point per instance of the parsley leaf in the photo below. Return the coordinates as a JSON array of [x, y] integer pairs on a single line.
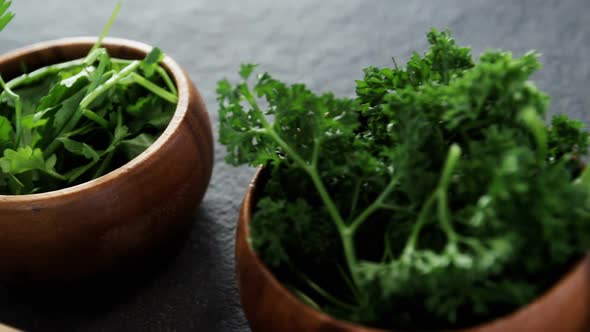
[[5, 15]]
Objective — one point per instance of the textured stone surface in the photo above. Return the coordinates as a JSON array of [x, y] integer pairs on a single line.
[[322, 43]]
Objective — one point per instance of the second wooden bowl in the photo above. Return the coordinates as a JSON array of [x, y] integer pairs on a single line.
[[270, 307], [89, 228]]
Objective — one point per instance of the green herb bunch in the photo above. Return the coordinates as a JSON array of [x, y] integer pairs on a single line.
[[438, 198], [71, 122]]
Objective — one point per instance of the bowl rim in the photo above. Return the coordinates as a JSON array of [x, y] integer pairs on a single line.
[[580, 267], [178, 76]]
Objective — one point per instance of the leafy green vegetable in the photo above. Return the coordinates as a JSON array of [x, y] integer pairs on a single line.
[[5, 15], [435, 197], [72, 122]]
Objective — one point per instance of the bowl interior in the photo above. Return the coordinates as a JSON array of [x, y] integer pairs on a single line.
[[43, 54]]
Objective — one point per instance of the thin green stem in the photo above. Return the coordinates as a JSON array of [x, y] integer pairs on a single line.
[[82, 130], [537, 128], [393, 207], [374, 206], [95, 117], [91, 93], [304, 297], [101, 169], [41, 73], [154, 88], [452, 159], [164, 75], [93, 55], [355, 196], [347, 239], [387, 253], [161, 71], [106, 29], [349, 283], [420, 222], [346, 235], [109, 84], [18, 111], [80, 172], [320, 291], [439, 195], [444, 216], [56, 175], [288, 150], [16, 182], [316, 153]]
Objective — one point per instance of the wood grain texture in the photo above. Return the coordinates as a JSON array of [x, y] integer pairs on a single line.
[[92, 227], [6, 328], [271, 307]]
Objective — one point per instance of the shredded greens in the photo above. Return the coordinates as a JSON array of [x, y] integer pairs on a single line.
[[438, 198], [71, 122]]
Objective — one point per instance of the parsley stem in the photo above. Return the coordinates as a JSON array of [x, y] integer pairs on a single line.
[[304, 297], [374, 206], [316, 152], [164, 75], [313, 174], [107, 27], [319, 290], [41, 73], [346, 234], [351, 286], [161, 71], [92, 91], [347, 238], [18, 111], [154, 88], [420, 222], [440, 196], [444, 216], [537, 128], [355, 196], [95, 54], [95, 117], [387, 253], [99, 172], [109, 84]]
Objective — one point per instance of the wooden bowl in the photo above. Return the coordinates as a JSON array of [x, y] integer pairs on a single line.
[[89, 228], [271, 307]]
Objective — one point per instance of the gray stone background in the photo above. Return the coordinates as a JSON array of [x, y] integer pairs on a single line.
[[324, 43]]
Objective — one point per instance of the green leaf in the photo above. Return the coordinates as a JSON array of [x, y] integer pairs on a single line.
[[66, 88], [246, 70], [26, 159], [6, 130], [81, 149], [66, 111], [134, 147], [5, 15], [150, 63], [77, 172]]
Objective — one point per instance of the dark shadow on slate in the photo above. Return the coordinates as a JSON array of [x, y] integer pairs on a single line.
[[60, 307]]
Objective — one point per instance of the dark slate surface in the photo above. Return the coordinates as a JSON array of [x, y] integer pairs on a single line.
[[322, 43]]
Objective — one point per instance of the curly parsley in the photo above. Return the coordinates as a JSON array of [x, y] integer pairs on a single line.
[[438, 197]]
